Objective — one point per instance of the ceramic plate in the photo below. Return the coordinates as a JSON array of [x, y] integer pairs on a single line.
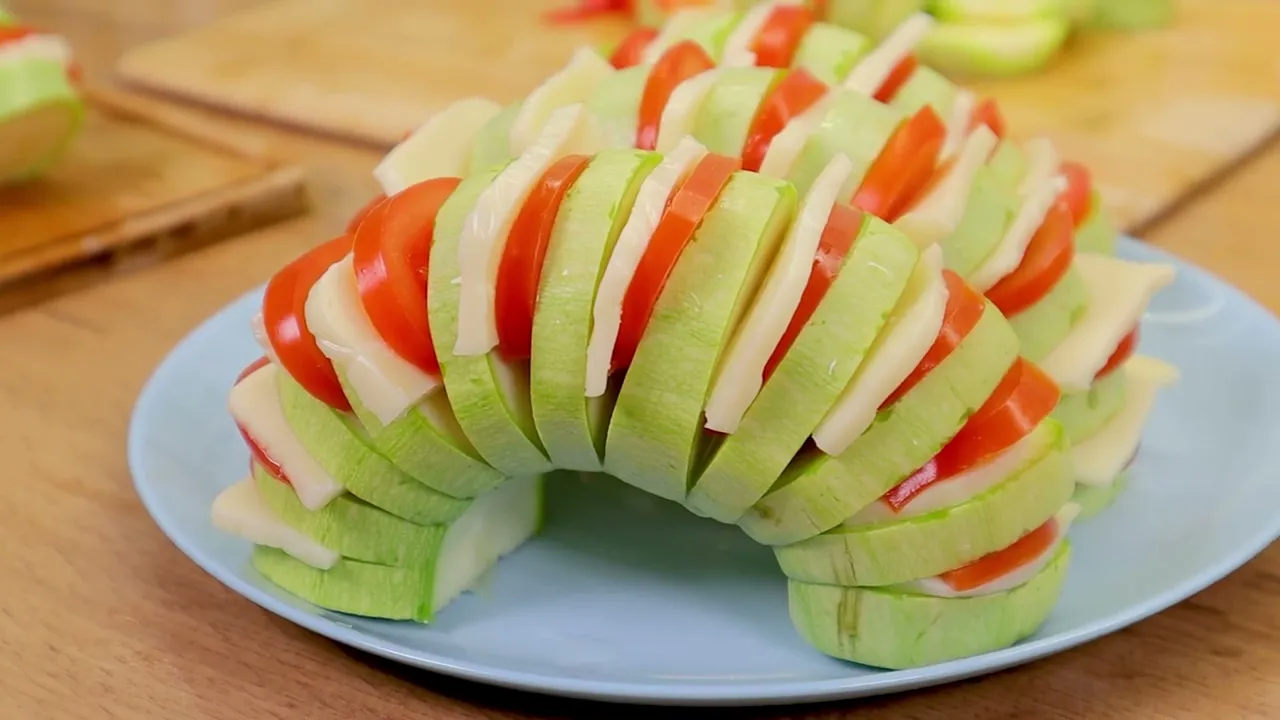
[[628, 598]]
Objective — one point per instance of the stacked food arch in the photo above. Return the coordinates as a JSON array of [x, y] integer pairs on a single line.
[[755, 265]]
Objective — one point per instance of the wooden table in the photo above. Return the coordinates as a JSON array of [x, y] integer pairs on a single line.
[[100, 617]]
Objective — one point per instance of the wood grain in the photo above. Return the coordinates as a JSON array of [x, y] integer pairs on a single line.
[[100, 617]]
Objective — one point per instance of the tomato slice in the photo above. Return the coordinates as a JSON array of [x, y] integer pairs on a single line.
[[775, 45], [14, 33], [988, 113], [675, 230], [679, 63], [256, 453], [797, 92], [996, 565], [842, 229], [520, 270], [631, 49], [1048, 258], [354, 224], [1128, 345], [1079, 189], [587, 9], [964, 310], [390, 254], [903, 168], [898, 77], [284, 313]]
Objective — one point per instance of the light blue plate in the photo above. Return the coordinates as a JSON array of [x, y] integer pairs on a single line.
[[628, 598]]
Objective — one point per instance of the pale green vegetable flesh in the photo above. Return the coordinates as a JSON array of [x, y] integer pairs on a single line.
[[855, 125], [1097, 234], [1008, 165], [40, 114], [492, 147], [1094, 499], [926, 86], [876, 18], [1046, 323], [351, 586], [993, 49], [987, 214], [829, 52], [724, 118], [1083, 414], [615, 105]]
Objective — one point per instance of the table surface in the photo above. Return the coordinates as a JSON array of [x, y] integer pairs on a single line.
[[100, 617]]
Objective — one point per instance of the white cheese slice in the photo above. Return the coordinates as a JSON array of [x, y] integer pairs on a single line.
[[938, 214], [870, 73], [958, 123], [954, 490], [37, 47], [742, 373], [441, 147], [1102, 457], [787, 145], [651, 200], [1013, 245], [259, 327], [1022, 575], [384, 382], [240, 510], [573, 84], [738, 50], [1118, 294], [485, 229], [255, 405], [677, 26], [682, 109], [906, 337], [1042, 163]]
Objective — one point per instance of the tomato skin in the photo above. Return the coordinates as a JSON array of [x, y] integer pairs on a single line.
[[988, 113], [354, 224], [842, 229], [796, 93], [390, 255], [587, 9], [964, 309], [256, 453], [679, 63], [903, 168], [775, 45], [1079, 189], [1128, 345], [996, 565], [1047, 260], [284, 314], [898, 77], [520, 270], [685, 211], [631, 49], [14, 33]]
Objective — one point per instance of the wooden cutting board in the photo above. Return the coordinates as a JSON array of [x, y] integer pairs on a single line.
[[1155, 115], [139, 184]]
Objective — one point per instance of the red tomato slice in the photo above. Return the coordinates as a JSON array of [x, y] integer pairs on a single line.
[[1047, 259], [354, 224], [903, 168], [631, 49], [14, 33], [390, 255], [1022, 400], [996, 565], [256, 453], [797, 92], [587, 9], [520, 270], [843, 225], [1079, 188], [679, 63], [988, 113], [284, 312], [675, 230], [898, 77], [1123, 352], [964, 310], [775, 45]]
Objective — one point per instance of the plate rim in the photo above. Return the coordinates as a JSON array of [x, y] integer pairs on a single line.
[[702, 694]]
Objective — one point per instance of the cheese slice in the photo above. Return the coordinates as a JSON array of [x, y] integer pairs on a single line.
[[1042, 163], [240, 510], [939, 213], [907, 336], [738, 50], [384, 382], [1099, 459], [573, 84], [787, 145], [742, 373], [870, 73], [255, 405], [682, 109], [441, 147], [1118, 293], [1022, 575], [37, 47], [651, 201], [1013, 245], [485, 230], [955, 490], [259, 327], [958, 123], [677, 26]]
